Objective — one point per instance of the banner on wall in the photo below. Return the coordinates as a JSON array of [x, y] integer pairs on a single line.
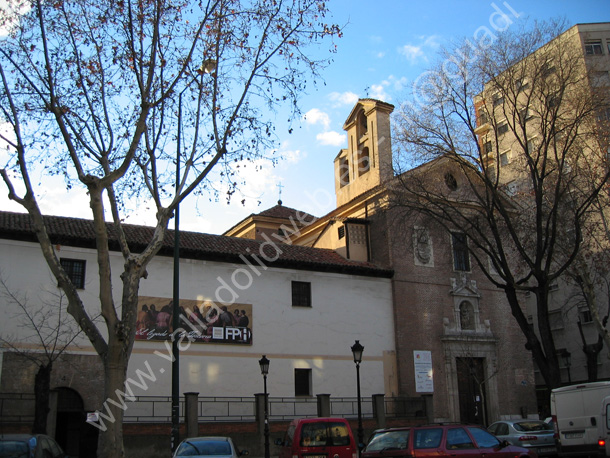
[[424, 381], [200, 321]]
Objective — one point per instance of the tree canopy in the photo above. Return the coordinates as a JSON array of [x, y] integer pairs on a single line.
[[515, 121], [110, 95]]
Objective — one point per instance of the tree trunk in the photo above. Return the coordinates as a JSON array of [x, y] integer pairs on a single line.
[[110, 442], [42, 386]]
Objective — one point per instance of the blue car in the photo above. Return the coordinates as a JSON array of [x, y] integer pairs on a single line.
[[29, 446]]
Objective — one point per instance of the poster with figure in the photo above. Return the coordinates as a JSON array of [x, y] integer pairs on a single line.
[[424, 382], [200, 321]]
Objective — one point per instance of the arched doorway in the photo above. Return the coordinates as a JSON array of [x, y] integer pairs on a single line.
[[73, 433]]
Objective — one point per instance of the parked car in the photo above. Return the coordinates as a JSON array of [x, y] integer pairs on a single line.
[[536, 435], [29, 445], [318, 437], [215, 446], [454, 440]]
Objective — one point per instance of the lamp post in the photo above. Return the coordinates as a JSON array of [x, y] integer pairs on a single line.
[[264, 364], [207, 67], [357, 350]]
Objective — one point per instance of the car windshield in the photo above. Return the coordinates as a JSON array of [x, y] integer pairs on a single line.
[[204, 447], [13, 449], [528, 426], [388, 440]]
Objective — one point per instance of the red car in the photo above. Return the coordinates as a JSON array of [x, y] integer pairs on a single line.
[[461, 441]]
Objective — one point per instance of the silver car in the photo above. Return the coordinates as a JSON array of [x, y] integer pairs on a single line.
[[535, 435], [208, 446]]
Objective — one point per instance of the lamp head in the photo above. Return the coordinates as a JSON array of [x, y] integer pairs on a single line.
[[264, 364], [357, 350]]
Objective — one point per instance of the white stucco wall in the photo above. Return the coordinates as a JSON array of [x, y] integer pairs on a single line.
[[344, 308]]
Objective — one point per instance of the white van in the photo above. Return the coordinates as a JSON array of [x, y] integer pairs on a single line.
[[580, 415]]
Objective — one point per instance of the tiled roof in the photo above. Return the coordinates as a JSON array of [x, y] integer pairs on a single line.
[[280, 211], [193, 245]]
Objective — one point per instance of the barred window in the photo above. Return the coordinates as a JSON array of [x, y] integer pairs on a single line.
[[461, 261], [75, 268], [301, 294]]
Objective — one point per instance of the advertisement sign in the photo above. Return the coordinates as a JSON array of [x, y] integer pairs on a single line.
[[200, 321], [424, 383]]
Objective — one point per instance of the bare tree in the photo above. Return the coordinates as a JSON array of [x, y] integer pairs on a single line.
[[110, 95], [46, 334], [513, 124]]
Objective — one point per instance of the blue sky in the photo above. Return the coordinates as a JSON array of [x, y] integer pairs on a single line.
[[386, 45]]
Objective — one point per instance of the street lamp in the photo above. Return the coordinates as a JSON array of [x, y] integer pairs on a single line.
[[357, 350], [264, 364], [207, 67]]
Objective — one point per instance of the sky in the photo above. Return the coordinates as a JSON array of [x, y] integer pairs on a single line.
[[386, 46]]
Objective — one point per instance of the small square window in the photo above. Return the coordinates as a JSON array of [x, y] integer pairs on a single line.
[[498, 100], [521, 85], [302, 382], [75, 268], [585, 316], [593, 48], [524, 115], [502, 128], [301, 294], [504, 158]]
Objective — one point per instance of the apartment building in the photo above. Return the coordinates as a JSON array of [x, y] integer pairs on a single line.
[[543, 122]]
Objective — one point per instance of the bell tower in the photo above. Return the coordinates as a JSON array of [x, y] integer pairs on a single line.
[[367, 160]]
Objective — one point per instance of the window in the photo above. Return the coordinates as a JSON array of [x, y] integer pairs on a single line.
[[585, 315], [483, 118], [504, 158], [488, 147], [343, 172], [427, 438], [524, 115], [363, 125], [593, 48], [341, 232], [75, 268], [531, 146], [502, 128], [556, 320], [458, 439], [604, 115], [461, 261], [521, 85], [498, 100], [364, 162], [547, 69], [301, 294], [302, 382]]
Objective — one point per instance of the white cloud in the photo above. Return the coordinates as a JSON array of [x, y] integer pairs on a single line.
[[316, 116], [332, 138], [378, 92], [343, 98], [420, 50], [411, 52]]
